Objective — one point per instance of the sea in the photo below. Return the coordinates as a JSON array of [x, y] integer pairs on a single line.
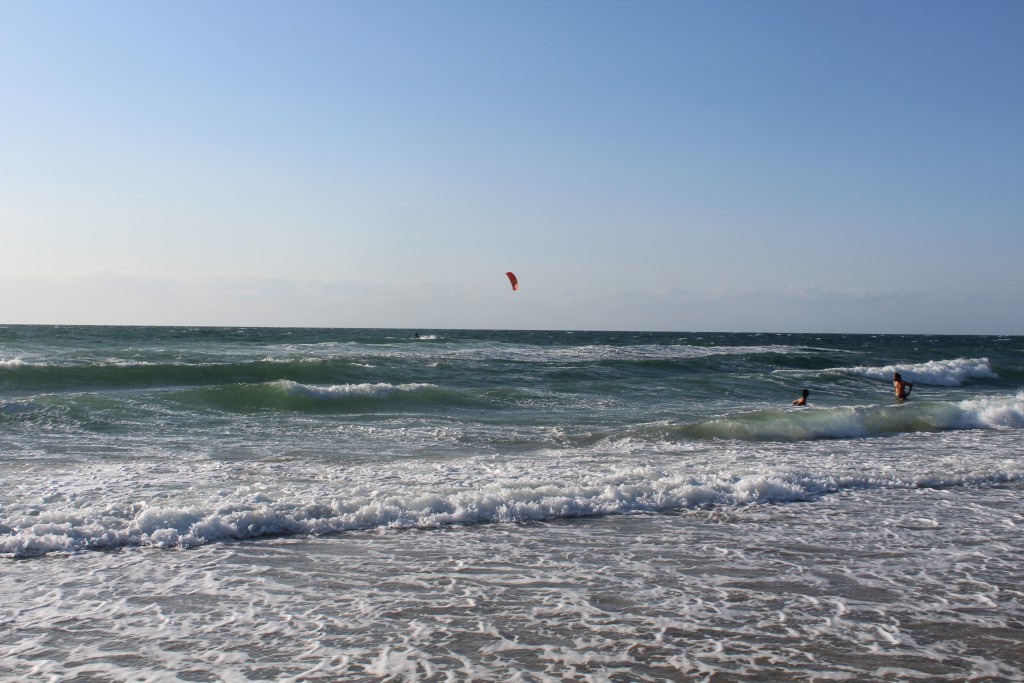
[[269, 504]]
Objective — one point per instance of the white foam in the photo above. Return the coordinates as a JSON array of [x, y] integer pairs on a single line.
[[750, 593], [848, 422], [945, 373], [640, 352], [422, 495], [589, 353], [367, 390], [994, 413]]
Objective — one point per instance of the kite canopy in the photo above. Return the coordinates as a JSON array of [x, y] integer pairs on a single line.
[[513, 280]]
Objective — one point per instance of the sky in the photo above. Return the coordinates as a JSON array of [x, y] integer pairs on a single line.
[[683, 165]]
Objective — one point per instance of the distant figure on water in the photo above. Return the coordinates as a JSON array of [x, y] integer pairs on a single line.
[[902, 388], [802, 401]]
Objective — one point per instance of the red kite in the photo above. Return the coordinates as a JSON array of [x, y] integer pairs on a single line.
[[513, 280]]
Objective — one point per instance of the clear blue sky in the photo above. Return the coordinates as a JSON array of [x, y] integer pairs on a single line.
[[689, 165]]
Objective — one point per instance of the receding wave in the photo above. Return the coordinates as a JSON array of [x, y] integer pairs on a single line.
[[855, 422], [943, 373], [631, 491]]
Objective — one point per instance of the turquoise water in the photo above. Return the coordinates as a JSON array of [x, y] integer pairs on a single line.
[[420, 475]]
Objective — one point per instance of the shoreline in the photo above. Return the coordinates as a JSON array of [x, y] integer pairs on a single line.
[[766, 592]]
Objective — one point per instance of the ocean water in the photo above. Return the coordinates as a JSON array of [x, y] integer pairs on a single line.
[[224, 504]]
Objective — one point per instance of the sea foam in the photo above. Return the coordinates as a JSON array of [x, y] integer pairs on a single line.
[[944, 373], [337, 391], [862, 421], [242, 515]]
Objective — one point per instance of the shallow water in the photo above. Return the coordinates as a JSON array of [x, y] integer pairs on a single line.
[[920, 584]]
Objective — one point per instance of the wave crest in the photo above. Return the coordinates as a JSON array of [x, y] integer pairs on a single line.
[[943, 373], [857, 422], [291, 395], [254, 516], [342, 391]]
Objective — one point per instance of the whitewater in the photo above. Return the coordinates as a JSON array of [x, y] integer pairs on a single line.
[[445, 505]]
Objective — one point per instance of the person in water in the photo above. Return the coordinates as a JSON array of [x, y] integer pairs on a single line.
[[902, 388], [802, 401]]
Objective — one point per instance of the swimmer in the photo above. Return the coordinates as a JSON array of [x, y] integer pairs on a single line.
[[802, 401], [902, 388]]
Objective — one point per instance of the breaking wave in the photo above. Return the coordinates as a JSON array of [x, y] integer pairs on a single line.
[[943, 373], [290, 395], [259, 515], [859, 421]]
